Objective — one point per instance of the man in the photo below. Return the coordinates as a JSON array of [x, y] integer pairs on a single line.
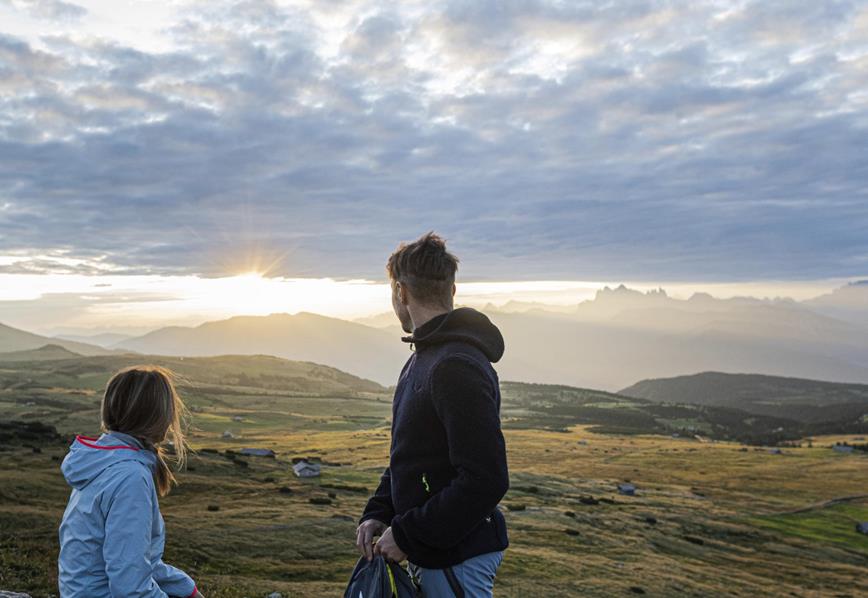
[[436, 505]]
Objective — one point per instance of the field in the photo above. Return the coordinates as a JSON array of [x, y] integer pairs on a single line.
[[708, 518]]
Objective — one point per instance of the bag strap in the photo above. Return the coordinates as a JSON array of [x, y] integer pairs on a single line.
[[453, 582], [392, 585]]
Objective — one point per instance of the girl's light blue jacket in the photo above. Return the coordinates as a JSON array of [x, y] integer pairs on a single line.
[[112, 534]]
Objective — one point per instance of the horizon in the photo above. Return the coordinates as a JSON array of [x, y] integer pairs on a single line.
[[54, 305]]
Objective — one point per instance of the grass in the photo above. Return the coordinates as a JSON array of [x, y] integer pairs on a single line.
[[708, 518]]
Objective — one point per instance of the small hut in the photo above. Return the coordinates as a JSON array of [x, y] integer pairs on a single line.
[[627, 489], [306, 469], [842, 448]]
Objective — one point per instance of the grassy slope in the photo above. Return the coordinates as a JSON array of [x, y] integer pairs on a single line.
[[794, 398], [729, 498]]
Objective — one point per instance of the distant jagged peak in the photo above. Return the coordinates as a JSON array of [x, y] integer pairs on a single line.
[[622, 291]]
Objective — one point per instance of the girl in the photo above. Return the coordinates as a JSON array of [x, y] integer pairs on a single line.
[[112, 534]]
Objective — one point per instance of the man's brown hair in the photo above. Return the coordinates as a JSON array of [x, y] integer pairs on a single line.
[[426, 267]]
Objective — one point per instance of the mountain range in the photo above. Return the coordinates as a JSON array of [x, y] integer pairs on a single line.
[[13, 339], [362, 350], [609, 342]]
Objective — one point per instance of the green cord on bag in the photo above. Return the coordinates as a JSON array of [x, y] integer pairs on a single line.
[[392, 580]]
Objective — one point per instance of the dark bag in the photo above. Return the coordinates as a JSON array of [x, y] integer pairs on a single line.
[[378, 579]]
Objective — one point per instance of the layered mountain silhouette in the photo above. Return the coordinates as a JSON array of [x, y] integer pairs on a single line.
[[848, 303], [13, 339], [44, 353], [354, 348], [623, 335], [609, 342]]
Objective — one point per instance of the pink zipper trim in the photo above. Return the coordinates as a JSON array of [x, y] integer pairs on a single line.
[[91, 443]]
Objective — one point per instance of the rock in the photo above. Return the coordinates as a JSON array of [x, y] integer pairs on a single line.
[[515, 507], [285, 490], [213, 507], [343, 517], [651, 520], [589, 500], [320, 500], [569, 514], [275, 595], [637, 590], [695, 540], [571, 532]]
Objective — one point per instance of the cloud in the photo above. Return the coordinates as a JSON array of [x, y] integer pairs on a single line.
[[51, 9], [621, 140]]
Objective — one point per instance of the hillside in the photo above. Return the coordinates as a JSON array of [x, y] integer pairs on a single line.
[[808, 401], [707, 519], [13, 339], [351, 347], [44, 353], [554, 407], [106, 339]]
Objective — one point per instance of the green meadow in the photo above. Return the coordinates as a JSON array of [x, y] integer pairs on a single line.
[[708, 518]]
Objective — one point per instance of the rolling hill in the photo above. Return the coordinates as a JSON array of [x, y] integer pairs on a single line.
[[807, 401], [13, 339], [65, 388], [44, 353]]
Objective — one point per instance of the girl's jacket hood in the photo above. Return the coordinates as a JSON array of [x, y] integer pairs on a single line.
[[112, 534], [89, 457]]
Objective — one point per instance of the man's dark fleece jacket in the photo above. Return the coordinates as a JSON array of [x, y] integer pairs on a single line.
[[447, 465]]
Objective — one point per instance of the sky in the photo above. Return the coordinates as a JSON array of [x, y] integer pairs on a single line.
[[153, 154]]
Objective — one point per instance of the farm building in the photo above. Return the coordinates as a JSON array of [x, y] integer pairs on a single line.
[[257, 452], [228, 435], [627, 489], [842, 448], [306, 469]]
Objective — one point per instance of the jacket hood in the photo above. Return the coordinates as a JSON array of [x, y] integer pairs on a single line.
[[89, 457], [463, 324]]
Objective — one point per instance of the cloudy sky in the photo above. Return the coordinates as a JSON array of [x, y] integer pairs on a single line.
[[145, 142]]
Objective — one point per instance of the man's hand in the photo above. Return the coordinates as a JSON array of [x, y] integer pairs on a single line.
[[365, 536], [388, 548]]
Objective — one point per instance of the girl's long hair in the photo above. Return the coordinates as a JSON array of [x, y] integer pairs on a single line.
[[142, 401]]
